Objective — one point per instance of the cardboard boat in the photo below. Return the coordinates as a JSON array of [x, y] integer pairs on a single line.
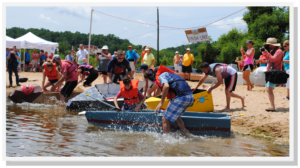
[[203, 102], [104, 92], [17, 96], [196, 123]]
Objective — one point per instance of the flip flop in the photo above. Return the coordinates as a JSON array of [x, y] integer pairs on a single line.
[[270, 109]]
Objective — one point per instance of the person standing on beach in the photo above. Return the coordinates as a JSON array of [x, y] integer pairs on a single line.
[[286, 62], [248, 63], [274, 58], [13, 66], [176, 61], [187, 63], [82, 53], [104, 57], [42, 60], [35, 57], [149, 58], [222, 71], [27, 59], [69, 57], [7, 53], [131, 56], [69, 73]]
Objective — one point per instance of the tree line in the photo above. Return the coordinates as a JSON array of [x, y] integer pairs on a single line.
[[262, 23]]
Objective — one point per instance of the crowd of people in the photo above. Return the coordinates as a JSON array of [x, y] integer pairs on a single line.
[[121, 66]]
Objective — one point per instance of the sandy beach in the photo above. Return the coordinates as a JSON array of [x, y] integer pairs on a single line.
[[257, 122]]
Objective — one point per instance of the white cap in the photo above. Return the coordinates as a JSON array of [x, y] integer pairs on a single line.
[[176, 52], [104, 47], [115, 52], [188, 49], [146, 49]]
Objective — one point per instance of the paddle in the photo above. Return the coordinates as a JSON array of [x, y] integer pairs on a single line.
[[104, 103], [236, 116]]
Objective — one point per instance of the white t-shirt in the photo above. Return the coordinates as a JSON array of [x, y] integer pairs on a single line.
[[81, 54]]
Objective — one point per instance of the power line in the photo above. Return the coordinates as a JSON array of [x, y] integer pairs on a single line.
[[169, 26]]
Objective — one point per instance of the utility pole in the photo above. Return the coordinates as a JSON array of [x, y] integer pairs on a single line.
[[157, 38], [88, 60]]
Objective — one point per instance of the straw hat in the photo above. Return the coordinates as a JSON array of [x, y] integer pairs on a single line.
[[272, 41]]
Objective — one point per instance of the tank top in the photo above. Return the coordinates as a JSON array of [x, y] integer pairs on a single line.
[[103, 62], [226, 71], [249, 60]]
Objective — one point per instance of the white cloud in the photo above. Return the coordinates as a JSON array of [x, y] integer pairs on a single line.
[[228, 24], [77, 11], [139, 20], [125, 28], [147, 35], [48, 19]]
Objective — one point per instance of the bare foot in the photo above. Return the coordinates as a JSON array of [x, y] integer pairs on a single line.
[[252, 87], [243, 101], [225, 110]]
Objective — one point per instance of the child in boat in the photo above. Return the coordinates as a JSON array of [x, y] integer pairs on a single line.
[[53, 75], [84, 61], [131, 94]]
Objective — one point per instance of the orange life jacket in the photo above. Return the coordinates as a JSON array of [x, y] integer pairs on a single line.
[[161, 70], [70, 69], [86, 69], [51, 75], [131, 96]]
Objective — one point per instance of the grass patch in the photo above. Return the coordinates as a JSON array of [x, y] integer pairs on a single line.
[[255, 136], [261, 131]]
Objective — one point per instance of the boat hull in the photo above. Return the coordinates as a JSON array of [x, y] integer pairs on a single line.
[[196, 123]]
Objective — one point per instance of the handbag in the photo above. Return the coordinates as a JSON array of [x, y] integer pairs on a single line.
[[275, 76]]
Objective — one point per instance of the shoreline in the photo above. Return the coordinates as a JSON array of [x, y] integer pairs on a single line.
[[257, 122]]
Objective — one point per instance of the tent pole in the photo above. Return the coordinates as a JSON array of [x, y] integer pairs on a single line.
[[24, 60], [88, 60]]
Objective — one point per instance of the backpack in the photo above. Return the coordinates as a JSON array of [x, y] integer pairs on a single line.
[[277, 77]]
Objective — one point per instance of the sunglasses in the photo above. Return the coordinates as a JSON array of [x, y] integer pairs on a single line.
[[285, 45], [120, 58]]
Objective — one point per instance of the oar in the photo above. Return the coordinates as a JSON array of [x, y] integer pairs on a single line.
[[240, 115], [103, 102]]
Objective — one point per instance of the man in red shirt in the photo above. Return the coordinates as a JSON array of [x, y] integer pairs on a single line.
[[69, 73]]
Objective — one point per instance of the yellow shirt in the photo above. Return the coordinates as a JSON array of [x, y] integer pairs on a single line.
[[148, 59], [187, 59]]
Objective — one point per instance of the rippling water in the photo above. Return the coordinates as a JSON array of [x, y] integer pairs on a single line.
[[49, 130]]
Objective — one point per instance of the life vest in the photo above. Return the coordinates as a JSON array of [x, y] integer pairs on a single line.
[[224, 72], [159, 71], [86, 69], [119, 69], [51, 75], [70, 69], [27, 89], [130, 96]]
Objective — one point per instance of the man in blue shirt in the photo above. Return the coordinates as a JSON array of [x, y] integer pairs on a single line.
[[27, 59], [69, 57], [132, 57], [116, 68], [181, 97], [115, 55]]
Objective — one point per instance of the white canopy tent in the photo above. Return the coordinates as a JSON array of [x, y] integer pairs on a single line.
[[10, 42], [31, 41]]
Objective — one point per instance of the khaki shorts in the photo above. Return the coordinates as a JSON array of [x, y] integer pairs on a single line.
[[34, 63]]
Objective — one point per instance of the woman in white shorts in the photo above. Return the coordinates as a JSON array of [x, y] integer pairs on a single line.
[[286, 62]]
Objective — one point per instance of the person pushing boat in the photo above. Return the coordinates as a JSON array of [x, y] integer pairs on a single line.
[[52, 74], [69, 73], [131, 94], [90, 72], [221, 71], [178, 91], [154, 87]]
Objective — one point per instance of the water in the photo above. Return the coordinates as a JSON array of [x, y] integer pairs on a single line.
[[49, 130]]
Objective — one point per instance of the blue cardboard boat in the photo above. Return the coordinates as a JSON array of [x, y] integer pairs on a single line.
[[197, 123]]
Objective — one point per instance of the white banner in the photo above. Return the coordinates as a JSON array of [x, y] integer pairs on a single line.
[[197, 35]]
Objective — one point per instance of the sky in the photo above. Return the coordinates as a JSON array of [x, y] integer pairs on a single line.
[[77, 18]]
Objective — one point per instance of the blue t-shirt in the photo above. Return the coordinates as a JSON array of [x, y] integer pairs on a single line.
[[83, 63], [286, 57], [43, 57], [177, 84], [130, 55], [119, 68], [17, 53], [69, 58], [7, 53], [27, 57]]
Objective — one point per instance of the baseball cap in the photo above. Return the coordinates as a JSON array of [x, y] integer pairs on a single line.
[[250, 41], [181, 55], [55, 57], [146, 49], [69, 52], [188, 49], [144, 66], [176, 52], [115, 52]]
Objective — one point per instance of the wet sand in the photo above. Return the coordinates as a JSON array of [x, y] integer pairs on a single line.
[[256, 122]]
